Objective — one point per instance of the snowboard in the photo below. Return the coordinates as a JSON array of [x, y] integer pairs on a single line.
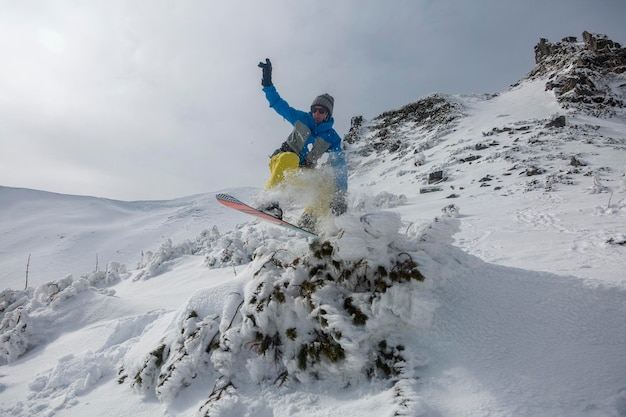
[[232, 202]]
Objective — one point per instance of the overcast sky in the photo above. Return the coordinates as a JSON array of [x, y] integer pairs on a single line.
[[156, 99]]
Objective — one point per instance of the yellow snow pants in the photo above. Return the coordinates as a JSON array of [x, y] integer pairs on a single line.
[[317, 187]]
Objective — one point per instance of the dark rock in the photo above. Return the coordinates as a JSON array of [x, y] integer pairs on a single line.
[[355, 129], [598, 43], [530, 171], [470, 158], [435, 177], [425, 190], [576, 162], [557, 122], [613, 241], [543, 50]]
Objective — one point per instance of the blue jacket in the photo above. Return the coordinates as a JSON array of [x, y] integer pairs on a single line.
[[323, 130]]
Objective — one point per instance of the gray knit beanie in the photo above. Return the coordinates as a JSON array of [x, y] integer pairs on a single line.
[[325, 100]]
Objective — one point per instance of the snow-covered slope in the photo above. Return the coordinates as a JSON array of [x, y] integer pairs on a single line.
[[73, 235], [514, 178], [479, 272]]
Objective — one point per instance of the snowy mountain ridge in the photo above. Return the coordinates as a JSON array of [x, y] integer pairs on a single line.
[[585, 75], [478, 272]]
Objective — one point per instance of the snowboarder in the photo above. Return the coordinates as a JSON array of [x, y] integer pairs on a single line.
[[311, 137]]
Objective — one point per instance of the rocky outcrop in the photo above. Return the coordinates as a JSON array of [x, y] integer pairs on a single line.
[[588, 75], [431, 113]]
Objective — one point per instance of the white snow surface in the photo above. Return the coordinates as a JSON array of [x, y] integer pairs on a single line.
[[155, 308]]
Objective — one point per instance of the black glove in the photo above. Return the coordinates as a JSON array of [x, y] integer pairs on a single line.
[[338, 206], [267, 72]]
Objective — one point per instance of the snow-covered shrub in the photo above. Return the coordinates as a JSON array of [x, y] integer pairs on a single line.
[[183, 353], [145, 379], [186, 355], [450, 210], [18, 331], [332, 300], [11, 299], [54, 293], [26, 316], [233, 248], [326, 309], [313, 316], [15, 331], [382, 200], [113, 274], [155, 263]]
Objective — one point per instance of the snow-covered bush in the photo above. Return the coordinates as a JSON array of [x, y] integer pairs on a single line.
[[233, 248], [15, 331], [382, 200], [54, 293], [178, 360], [23, 314], [26, 316], [310, 314], [329, 309], [113, 274], [155, 263], [12, 299]]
